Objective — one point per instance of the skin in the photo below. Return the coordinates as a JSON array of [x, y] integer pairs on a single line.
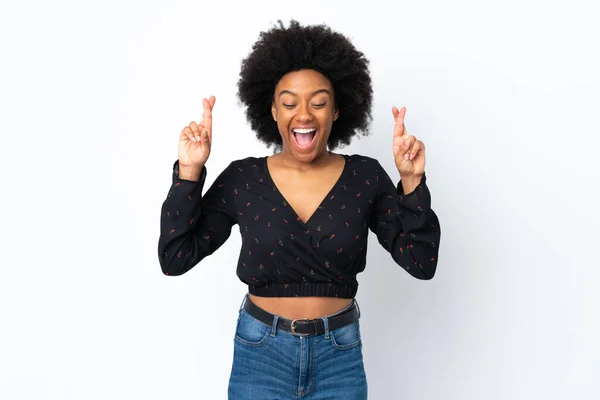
[[303, 176]]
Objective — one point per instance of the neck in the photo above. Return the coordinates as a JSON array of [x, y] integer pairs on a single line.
[[288, 159]]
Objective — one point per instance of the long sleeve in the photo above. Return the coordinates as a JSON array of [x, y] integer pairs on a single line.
[[193, 226], [406, 226]]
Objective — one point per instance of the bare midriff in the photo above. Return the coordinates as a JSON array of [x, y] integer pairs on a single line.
[[301, 307]]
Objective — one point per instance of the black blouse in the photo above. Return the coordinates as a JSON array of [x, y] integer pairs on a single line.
[[281, 256]]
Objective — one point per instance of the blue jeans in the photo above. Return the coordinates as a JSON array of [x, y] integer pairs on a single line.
[[271, 364]]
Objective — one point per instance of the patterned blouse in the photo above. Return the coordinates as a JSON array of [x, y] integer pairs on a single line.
[[282, 256]]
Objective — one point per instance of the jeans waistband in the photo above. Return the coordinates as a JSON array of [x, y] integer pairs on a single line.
[[301, 326]]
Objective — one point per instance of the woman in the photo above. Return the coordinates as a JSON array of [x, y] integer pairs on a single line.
[[304, 214]]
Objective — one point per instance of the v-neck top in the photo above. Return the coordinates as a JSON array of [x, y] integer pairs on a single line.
[[284, 200], [282, 256]]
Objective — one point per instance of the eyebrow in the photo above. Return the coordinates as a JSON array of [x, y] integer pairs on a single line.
[[294, 94]]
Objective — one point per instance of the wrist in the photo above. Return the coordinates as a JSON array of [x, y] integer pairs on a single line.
[[190, 172], [410, 183]]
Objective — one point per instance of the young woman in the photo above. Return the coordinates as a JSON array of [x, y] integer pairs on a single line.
[[304, 214]]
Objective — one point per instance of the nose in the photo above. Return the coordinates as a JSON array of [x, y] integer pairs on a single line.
[[304, 114]]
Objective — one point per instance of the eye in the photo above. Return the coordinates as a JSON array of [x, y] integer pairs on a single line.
[[288, 105]]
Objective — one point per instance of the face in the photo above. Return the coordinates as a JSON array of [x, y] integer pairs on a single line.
[[304, 109]]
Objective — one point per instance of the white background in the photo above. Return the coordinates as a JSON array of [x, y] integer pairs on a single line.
[[505, 96]]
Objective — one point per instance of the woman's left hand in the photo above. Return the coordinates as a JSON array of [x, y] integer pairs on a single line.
[[409, 153]]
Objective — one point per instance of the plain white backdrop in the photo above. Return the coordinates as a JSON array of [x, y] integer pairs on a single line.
[[94, 95]]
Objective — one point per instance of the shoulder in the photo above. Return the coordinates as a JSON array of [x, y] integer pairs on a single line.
[[368, 168], [248, 162], [246, 166], [363, 162]]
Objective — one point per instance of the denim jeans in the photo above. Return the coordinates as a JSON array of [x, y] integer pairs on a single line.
[[271, 364]]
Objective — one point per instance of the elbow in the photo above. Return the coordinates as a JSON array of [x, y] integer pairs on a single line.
[[422, 268], [178, 259], [171, 272], [425, 265], [171, 269], [427, 272], [427, 276], [176, 266], [424, 272]]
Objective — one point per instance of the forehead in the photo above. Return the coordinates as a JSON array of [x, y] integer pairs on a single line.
[[303, 81]]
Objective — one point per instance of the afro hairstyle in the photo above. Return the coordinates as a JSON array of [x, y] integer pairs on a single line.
[[282, 50]]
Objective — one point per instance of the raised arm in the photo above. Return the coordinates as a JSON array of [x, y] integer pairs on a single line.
[[193, 226], [403, 219]]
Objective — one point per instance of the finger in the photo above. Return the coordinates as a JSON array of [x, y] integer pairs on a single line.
[[195, 130], [419, 146], [205, 138], [205, 141], [187, 134], [397, 144], [407, 145], [207, 120], [399, 118], [407, 142], [211, 102], [402, 144]]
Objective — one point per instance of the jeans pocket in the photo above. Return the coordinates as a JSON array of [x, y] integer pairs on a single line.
[[250, 331], [346, 337]]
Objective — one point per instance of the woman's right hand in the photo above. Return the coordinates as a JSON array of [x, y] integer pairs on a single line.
[[195, 139]]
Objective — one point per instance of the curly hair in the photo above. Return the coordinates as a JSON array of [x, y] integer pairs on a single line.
[[279, 51]]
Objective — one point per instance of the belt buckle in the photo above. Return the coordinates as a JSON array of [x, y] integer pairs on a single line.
[[292, 327]]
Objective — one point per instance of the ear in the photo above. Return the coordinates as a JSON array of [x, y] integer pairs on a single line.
[[274, 111], [336, 114]]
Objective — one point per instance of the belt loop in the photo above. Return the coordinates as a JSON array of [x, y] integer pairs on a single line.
[[243, 302], [326, 324], [274, 327]]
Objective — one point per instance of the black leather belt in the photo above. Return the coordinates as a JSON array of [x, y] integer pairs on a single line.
[[304, 326]]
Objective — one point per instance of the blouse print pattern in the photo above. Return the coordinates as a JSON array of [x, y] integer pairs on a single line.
[[282, 256]]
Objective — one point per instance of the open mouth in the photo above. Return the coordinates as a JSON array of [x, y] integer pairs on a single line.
[[305, 137]]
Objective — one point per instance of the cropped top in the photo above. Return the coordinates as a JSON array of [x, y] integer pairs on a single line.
[[280, 255]]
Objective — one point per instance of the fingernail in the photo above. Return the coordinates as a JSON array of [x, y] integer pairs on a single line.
[[198, 138]]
